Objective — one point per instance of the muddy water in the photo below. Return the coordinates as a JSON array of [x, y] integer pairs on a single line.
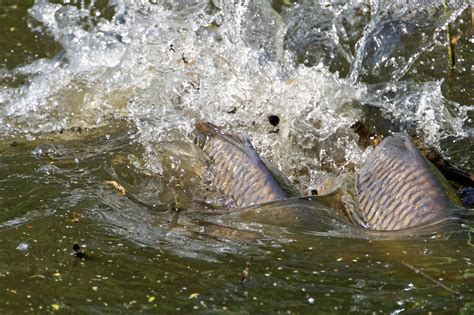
[[97, 105]]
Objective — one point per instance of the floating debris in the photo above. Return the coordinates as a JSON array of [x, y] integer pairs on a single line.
[[449, 42], [76, 217], [117, 186], [194, 296], [77, 251], [246, 271], [418, 271]]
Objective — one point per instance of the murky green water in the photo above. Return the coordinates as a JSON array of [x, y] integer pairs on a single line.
[[97, 104]]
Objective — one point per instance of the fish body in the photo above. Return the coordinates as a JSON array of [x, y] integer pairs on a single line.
[[398, 188], [238, 171]]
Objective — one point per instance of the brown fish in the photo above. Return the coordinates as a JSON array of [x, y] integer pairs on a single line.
[[238, 171], [398, 188]]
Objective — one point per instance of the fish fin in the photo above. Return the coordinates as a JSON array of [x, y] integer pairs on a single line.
[[239, 141], [284, 182], [207, 130]]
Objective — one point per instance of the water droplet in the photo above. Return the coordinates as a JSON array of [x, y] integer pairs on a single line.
[[49, 169], [38, 151], [23, 246]]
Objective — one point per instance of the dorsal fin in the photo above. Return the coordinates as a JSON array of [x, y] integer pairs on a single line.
[[240, 142]]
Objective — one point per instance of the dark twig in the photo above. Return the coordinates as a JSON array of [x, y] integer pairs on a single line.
[[448, 38], [416, 270]]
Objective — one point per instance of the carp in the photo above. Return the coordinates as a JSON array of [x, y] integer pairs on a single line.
[[396, 188], [238, 170]]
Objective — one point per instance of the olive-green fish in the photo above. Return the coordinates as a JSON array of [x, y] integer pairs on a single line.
[[238, 171], [398, 188]]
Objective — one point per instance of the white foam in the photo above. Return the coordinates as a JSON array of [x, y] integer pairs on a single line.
[[164, 66]]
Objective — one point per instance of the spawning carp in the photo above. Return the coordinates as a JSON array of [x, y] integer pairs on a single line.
[[396, 188], [238, 171]]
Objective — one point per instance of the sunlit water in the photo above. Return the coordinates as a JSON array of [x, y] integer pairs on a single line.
[[97, 107]]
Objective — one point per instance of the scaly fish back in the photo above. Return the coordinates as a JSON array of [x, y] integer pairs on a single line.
[[397, 188], [238, 171]]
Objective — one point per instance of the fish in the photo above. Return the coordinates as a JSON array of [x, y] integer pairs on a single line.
[[238, 171], [398, 188]]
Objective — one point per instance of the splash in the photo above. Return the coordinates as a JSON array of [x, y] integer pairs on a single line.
[[163, 66]]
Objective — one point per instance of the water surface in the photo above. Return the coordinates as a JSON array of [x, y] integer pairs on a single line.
[[97, 106]]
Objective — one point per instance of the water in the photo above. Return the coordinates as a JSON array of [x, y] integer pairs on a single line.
[[97, 106]]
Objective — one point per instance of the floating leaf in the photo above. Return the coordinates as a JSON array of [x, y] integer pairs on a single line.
[[55, 307], [151, 299]]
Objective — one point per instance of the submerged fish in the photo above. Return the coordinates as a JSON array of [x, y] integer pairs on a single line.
[[238, 171], [397, 188]]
